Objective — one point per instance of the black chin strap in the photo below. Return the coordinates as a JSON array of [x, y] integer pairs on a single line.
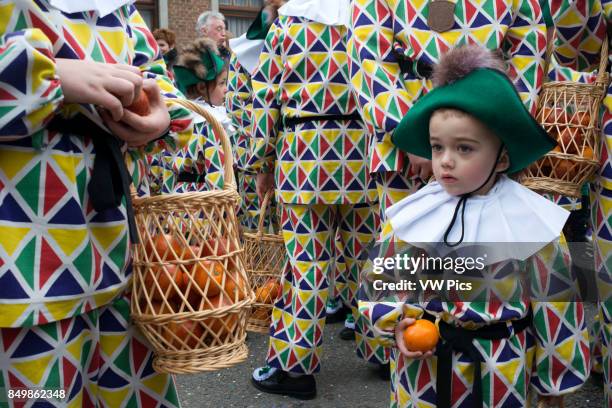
[[461, 204]]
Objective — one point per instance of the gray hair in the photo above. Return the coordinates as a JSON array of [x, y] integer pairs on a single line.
[[205, 18]]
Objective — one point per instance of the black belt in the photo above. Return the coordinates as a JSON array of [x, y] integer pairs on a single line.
[[110, 180], [190, 177], [290, 121], [418, 69], [454, 338]]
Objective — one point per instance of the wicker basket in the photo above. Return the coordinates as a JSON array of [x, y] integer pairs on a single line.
[[190, 293], [265, 259], [569, 112]]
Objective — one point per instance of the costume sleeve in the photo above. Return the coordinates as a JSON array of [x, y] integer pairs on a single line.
[[148, 58], [239, 104], [30, 91], [525, 46], [562, 357], [382, 309], [266, 101], [375, 70], [580, 27], [383, 317]]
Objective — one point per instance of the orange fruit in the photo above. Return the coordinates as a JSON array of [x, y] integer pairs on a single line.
[[565, 167], [421, 336], [551, 115], [269, 292], [164, 275], [217, 247], [164, 244], [203, 272], [141, 105], [220, 325], [582, 118], [588, 153], [189, 332], [235, 288]]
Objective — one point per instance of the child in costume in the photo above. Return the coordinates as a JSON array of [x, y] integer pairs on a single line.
[[493, 346], [201, 75]]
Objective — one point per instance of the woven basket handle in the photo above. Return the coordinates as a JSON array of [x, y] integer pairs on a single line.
[[603, 62], [229, 181], [264, 206], [603, 59]]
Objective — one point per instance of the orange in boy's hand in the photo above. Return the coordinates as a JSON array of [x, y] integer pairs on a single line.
[[421, 336], [141, 105]]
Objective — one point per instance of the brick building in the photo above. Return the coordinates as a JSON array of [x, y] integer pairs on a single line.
[[181, 15]]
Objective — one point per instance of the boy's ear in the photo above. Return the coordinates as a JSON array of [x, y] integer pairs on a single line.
[[503, 163]]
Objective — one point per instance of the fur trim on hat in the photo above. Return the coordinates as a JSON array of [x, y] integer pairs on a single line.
[[459, 62], [191, 59]]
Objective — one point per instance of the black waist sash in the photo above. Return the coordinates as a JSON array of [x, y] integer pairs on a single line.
[[190, 177], [418, 69], [453, 338], [110, 180], [290, 121]]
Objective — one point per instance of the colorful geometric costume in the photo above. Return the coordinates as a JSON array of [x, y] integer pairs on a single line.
[[239, 103], [581, 26], [64, 316], [321, 175], [517, 320], [391, 52]]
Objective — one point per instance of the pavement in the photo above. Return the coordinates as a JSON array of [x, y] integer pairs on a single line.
[[344, 381]]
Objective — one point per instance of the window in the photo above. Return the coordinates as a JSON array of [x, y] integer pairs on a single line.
[[149, 10], [239, 14]]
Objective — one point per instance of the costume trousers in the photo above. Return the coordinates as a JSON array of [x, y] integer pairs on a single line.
[[298, 317], [99, 359]]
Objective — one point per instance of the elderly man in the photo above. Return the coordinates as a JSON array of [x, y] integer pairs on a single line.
[[211, 24]]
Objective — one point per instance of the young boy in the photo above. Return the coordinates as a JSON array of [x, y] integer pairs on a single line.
[[474, 127]]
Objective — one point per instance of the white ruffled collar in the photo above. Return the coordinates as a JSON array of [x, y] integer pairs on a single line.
[[328, 12], [103, 7], [509, 213], [247, 51], [219, 113]]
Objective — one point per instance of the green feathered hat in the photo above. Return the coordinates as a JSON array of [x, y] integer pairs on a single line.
[[199, 62], [470, 79]]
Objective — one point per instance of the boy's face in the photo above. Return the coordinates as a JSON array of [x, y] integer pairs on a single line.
[[463, 152]]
